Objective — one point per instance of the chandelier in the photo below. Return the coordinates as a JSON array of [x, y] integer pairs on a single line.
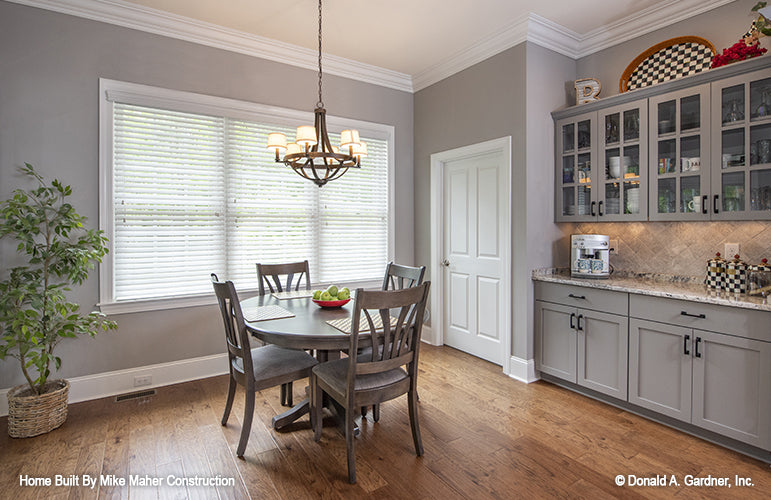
[[312, 155]]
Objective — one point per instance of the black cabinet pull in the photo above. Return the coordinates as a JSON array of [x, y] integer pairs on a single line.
[[582, 297], [572, 326], [685, 345], [714, 204], [700, 316], [704, 208], [593, 203], [600, 208], [696, 348], [579, 327]]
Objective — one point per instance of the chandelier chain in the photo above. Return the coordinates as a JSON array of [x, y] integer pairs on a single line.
[[320, 104]]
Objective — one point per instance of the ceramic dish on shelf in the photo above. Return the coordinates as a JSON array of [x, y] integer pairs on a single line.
[[330, 304]]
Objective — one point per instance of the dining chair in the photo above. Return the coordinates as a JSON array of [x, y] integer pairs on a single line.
[[289, 271], [397, 277], [393, 320], [253, 369]]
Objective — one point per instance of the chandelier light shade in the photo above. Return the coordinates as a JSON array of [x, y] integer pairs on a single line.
[[312, 155]]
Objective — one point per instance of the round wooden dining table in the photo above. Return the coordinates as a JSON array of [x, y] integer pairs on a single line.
[[307, 329]]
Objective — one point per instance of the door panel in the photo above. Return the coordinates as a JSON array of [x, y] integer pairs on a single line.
[[603, 342], [556, 341], [475, 190], [660, 368]]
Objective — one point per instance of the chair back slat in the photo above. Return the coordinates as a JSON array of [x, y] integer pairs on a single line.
[[236, 335], [393, 345], [398, 277], [294, 272]]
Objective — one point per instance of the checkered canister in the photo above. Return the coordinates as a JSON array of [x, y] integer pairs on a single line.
[[736, 276], [715, 272]]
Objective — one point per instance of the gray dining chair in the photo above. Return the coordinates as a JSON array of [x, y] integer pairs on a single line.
[[389, 370], [283, 278], [253, 369]]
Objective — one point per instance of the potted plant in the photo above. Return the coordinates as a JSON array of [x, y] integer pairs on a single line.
[[35, 314]]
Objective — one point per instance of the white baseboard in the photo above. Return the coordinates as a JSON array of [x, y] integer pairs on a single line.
[[523, 370], [107, 384], [427, 336]]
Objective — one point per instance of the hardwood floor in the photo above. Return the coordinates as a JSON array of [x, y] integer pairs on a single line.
[[485, 436]]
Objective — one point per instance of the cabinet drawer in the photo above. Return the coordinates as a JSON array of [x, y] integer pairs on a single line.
[[731, 320], [584, 297]]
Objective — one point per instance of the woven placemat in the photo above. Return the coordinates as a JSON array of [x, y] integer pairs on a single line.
[[294, 294], [344, 324], [264, 313]]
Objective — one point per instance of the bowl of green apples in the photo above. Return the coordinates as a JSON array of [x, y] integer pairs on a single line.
[[332, 297]]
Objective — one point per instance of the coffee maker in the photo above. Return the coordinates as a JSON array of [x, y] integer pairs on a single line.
[[589, 256]]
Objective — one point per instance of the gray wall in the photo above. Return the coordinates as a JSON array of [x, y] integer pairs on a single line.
[[50, 65]]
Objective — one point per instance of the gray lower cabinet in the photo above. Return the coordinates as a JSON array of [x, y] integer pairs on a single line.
[[717, 381], [580, 345]]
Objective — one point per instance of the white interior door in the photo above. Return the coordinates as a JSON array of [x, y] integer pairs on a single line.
[[474, 218]]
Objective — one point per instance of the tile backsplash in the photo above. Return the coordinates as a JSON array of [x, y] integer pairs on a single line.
[[680, 248]]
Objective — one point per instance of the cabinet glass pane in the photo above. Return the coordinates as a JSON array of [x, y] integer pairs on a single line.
[[760, 144], [631, 161], [584, 200], [733, 191], [667, 117], [568, 138], [760, 99], [733, 104], [760, 190], [568, 169], [632, 125], [632, 197], [690, 194], [584, 134], [690, 113], [584, 168], [690, 153], [667, 195], [612, 128], [612, 198], [666, 156], [733, 148], [612, 164], [568, 201]]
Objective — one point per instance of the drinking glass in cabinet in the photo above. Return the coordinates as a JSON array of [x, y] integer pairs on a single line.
[[568, 170], [760, 190], [760, 99], [690, 113], [568, 201], [733, 104], [760, 144], [568, 138], [667, 117], [611, 128], [584, 134], [632, 125], [733, 148], [690, 194], [667, 156], [733, 191], [584, 200], [667, 195]]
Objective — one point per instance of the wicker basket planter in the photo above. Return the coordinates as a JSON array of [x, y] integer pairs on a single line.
[[30, 414]]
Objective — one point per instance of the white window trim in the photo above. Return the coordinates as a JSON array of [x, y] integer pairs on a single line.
[[144, 95]]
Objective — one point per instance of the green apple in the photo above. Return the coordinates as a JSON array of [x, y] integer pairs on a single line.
[[316, 294], [345, 289], [332, 290], [325, 296], [343, 295]]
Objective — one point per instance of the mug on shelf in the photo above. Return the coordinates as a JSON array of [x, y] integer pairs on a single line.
[[695, 204]]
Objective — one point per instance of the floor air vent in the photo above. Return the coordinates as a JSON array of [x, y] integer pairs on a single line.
[[135, 395]]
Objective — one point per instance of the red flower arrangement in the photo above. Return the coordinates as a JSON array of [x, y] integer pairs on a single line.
[[737, 52]]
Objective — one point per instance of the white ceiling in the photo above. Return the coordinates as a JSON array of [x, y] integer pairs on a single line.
[[403, 44]]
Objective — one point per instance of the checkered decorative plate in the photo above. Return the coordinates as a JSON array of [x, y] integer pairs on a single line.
[[264, 313], [667, 61], [344, 324], [294, 294]]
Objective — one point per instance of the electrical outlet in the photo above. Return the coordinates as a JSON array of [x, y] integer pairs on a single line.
[[142, 380], [614, 246], [731, 249]]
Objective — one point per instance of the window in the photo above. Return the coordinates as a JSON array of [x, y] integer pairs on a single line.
[[188, 188]]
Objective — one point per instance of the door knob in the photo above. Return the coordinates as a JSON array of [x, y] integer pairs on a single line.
[[445, 263]]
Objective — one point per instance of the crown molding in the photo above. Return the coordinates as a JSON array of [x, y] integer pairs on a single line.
[[529, 27], [163, 23]]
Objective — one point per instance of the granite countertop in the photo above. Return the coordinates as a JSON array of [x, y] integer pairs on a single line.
[[658, 285]]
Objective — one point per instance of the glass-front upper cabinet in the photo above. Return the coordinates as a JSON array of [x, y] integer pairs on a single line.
[[741, 147], [576, 200], [679, 164], [621, 184]]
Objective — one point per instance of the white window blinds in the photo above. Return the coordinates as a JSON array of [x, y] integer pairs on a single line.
[[195, 194]]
